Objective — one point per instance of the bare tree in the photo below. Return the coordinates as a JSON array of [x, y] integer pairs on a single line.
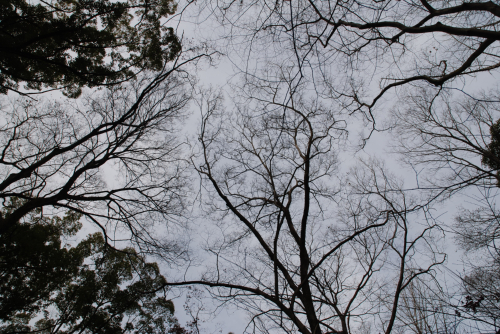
[[296, 242], [477, 234], [426, 308], [115, 157], [446, 135], [354, 46], [349, 56]]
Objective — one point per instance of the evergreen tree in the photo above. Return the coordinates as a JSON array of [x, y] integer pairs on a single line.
[[70, 44], [491, 156], [51, 287]]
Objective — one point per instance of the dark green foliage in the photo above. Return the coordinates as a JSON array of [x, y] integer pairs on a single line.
[[491, 157], [49, 287], [33, 264], [74, 43]]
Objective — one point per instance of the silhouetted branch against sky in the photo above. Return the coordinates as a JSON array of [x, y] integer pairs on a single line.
[[326, 159], [346, 151], [56, 154]]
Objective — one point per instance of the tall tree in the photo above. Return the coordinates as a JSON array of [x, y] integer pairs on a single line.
[[299, 244], [71, 44], [451, 138], [55, 154], [448, 134], [86, 288], [360, 51], [478, 236]]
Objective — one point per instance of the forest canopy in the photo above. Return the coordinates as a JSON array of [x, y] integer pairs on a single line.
[[50, 286], [63, 44], [331, 168], [53, 279]]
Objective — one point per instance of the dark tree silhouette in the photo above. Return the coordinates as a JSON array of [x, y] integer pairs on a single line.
[[88, 288], [491, 156], [115, 157], [71, 44], [300, 245]]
